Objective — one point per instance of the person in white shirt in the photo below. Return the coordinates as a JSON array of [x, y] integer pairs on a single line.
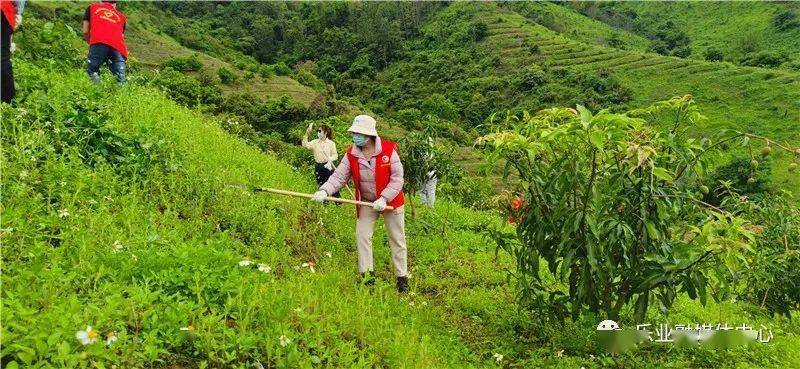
[[325, 154], [427, 189]]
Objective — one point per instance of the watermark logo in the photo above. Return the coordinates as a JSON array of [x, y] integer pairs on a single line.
[[613, 338]]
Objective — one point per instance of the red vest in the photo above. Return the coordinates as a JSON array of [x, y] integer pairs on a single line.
[[383, 172], [10, 12], [106, 24]]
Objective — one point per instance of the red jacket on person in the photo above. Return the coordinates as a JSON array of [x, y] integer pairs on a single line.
[[10, 13], [106, 26], [383, 172]]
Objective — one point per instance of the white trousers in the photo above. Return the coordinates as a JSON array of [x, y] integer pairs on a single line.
[[395, 229], [427, 191]]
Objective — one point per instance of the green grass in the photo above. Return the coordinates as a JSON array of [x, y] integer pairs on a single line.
[[150, 47], [577, 26], [88, 167], [724, 25]]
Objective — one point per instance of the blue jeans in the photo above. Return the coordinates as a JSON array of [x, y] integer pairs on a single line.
[[99, 54]]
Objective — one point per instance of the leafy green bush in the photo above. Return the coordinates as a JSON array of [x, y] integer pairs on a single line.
[[422, 155], [185, 90], [50, 42], [669, 40], [766, 59], [477, 31], [438, 105], [745, 175], [307, 78], [785, 20], [226, 76], [279, 115], [266, 71], [190, 63], [608, 203], [281, 69], [773, 279], [713, 54], [411, 118]]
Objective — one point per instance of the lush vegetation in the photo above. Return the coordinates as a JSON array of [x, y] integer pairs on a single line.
[[118, 213]]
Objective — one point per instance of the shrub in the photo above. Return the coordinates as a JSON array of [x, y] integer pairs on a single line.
[[190, 63], [226, 76], [713, 54], [411, 118], [282, 69], [785, 20], [207, 78], [438, 105], [773, 279], [185, 90], [766, 59], [307, 78], [477, 31], [609, 204], [669, 40], [266, 71], [742, 175]]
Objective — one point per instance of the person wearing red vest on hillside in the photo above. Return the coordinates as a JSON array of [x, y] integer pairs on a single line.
[[11, 20], [377, 173], [103, 29]]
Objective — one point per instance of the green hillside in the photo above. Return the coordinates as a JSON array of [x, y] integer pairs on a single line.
[[150, 48], [119, 211], [115, 207], [735, 29], [758, 100]]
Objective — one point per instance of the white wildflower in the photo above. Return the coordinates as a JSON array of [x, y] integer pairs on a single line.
[[23, 174], [264, 268], [118, 246], [298, 310], [63, 213], [498, 357], [285, 341], [245, 262], [88, 336], [111, 338], [310, 265], [328, 254]]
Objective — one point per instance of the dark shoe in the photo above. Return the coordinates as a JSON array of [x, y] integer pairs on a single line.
[[402, 284], [367, 279]]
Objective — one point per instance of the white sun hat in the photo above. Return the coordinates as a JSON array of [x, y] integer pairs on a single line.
[[363, 124]]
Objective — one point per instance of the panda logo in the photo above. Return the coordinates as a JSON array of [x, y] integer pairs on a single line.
[[608, 325]]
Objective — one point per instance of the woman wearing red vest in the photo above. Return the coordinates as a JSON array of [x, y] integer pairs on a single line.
[[11, 19], [103, 29], [377, 173]]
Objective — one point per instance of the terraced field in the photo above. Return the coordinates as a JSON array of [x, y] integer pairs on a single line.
[[759, 100]]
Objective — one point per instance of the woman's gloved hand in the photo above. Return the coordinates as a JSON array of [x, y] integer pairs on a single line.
[[379, 204], [319, 196]]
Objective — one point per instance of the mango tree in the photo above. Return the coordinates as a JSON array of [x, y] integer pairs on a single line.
[[611, 203]]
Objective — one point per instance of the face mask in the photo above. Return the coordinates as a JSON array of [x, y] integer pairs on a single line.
[[320, 135], [359, 139]]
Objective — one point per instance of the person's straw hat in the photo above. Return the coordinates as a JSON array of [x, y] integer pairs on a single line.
[[363, 124]]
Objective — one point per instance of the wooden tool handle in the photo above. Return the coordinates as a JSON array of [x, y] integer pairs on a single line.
[[308, 196]]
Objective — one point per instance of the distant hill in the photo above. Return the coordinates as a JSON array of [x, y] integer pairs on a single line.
[[733, 28]]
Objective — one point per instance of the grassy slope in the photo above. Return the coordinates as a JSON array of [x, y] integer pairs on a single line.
[[150, 47], [757, 100], [576, 26], [183, 233], [723, 25]]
